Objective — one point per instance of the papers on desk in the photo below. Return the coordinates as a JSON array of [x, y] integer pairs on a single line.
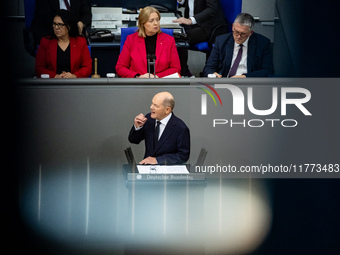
[[106, 24], [112, 17], [174, 75], [129, 17], [162, 169], [106, 13], [106, 17], [166, 20]]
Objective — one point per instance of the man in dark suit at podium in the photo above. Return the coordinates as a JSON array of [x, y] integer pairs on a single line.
[[167, 138]]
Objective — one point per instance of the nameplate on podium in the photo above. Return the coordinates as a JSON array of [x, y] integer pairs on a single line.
[[189, 177]]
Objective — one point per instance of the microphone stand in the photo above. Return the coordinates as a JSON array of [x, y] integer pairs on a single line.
[[151, 62]]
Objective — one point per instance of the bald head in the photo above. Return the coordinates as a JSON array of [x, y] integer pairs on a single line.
[[168, 99], [162, 105]]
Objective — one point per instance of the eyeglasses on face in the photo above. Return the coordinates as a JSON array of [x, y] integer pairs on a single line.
[[58, 25], [236, 33]]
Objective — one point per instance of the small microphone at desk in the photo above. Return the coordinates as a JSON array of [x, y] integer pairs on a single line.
[[153, 169], [151, 57], [151, 62]]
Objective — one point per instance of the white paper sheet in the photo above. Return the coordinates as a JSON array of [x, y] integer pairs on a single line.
[[158, 169], [174, 75]]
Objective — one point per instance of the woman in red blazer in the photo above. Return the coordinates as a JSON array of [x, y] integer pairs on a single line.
[[64, 54], [148, 39]]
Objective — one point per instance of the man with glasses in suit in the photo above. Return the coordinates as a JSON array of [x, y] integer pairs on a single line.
[[242, 53]]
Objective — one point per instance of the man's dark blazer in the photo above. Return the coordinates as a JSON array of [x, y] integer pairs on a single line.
[[259, 57], [207, 13], [45, 11], [173, 146]]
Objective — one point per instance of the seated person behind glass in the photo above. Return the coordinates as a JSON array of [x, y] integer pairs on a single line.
[[64, 54], [148, 39]]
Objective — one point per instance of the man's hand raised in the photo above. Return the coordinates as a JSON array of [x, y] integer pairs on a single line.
[[140, 120]]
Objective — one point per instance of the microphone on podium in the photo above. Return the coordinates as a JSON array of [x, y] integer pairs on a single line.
[[151, 62]]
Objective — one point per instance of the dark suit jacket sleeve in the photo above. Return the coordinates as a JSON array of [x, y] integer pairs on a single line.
[[262, 63], [183, 150], [43, 17], [215, 61], [136, 136], [84, 10], [209, 11], [167, 153], [46, 9]]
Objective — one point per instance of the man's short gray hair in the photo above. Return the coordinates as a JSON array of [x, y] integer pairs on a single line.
[[169, 102], [245, 19]]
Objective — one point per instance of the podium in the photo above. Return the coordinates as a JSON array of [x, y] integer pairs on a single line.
[[165, 207]]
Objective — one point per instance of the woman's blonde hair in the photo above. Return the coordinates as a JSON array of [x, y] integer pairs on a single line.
[[144, 17]]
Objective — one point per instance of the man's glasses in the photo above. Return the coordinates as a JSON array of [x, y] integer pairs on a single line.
[[236, 33], [58, 25]]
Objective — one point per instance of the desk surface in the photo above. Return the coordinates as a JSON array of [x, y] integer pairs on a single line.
[[152, 82]]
